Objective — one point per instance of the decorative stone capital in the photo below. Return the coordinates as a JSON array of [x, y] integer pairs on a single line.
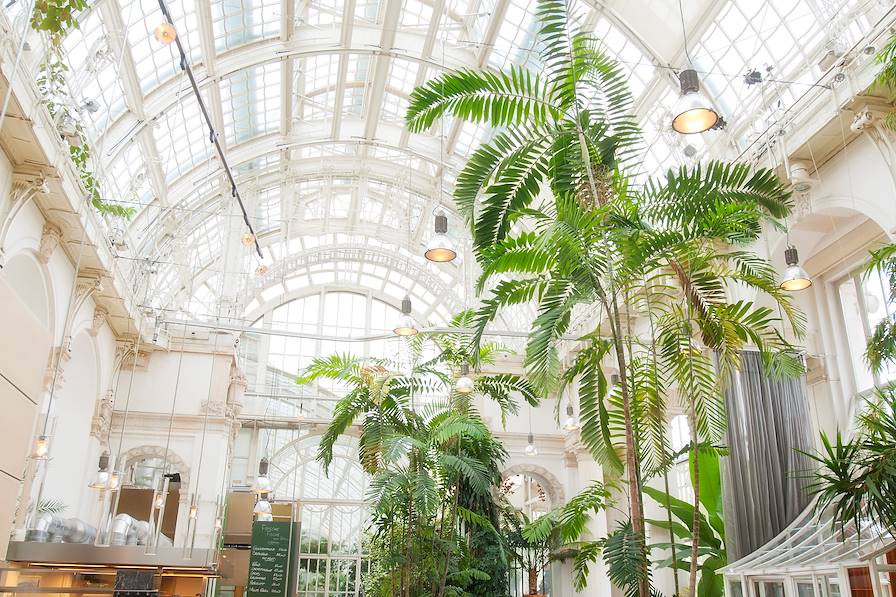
[[214, 408], [101, 423], [49, 241], [59, 356], [862, 120], [238, 380], [88, 284], [100, 314]]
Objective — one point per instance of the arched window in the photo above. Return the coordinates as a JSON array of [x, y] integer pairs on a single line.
[[332, 510], [320, 322]]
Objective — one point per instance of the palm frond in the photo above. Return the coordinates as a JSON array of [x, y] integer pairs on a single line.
[[495, 98]]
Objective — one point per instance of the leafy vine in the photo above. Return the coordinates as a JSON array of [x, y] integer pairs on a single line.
[[56, 18]]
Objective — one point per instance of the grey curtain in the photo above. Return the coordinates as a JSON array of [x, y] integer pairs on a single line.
[[765, 474]]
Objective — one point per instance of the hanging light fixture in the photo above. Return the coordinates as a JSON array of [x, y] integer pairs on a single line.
[[165, 33], [101, 481], [41, 448], [464, 384], [440, 249], [194, 512], [114, 481], [692, 112], [531, 450], [262, 484], [263, 510], [405, 325], [261, 270], [571, 423], [248, 239], [795, 278]]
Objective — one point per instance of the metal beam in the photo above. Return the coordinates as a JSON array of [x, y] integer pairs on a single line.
[[380, 72]]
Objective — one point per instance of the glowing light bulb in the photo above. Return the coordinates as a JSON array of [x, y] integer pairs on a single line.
[[41, 447], [261, 270], [405, 325], [464, 384], [440, 248], [692, 112], [248, 239], [165, 33], [194, 512], [531, 450], [795, 278]]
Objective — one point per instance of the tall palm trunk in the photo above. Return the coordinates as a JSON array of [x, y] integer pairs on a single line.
[[632, 464], [600, 196], [695, 535]]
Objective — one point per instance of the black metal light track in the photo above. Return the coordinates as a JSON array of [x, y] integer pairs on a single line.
[[213, 135]]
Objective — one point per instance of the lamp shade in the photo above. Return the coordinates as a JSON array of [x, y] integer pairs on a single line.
[[795, 278], [262, 484], [41, 448], [464, 384], [571, 423], [692, 112], [531, 450], [405, 325], [440, 248], [101, 481]]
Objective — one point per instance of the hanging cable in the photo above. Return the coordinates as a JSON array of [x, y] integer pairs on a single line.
[[213, 135]]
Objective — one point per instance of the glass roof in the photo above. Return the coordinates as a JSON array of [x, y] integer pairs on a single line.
[[811, 542], [308, 98]]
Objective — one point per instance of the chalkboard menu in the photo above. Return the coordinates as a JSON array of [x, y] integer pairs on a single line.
[[269, 562]]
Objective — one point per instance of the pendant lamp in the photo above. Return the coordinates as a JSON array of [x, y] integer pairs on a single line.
[[531, 450], [795, 278], [405, 325], [692, 112], [464, 384], [262, 484], [440, 248]]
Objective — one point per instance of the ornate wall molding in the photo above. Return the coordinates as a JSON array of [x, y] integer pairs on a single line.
[[100, 314], [101, 423], [51, 236], [136, 454], [23, 190], [547, 479], [59, 357]]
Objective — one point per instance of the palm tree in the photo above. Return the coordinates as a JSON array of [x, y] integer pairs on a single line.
[[672, 249], [433, 466]]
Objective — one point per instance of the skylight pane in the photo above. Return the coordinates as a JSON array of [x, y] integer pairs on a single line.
[[93, 74], [237, 22], [126, 179], [516, 35], [416, 14], [251, 102], [320, 13], [787, 36], [154, 62], [182, 138]]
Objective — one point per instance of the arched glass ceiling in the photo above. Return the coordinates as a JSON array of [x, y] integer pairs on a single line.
[[308, 98]]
